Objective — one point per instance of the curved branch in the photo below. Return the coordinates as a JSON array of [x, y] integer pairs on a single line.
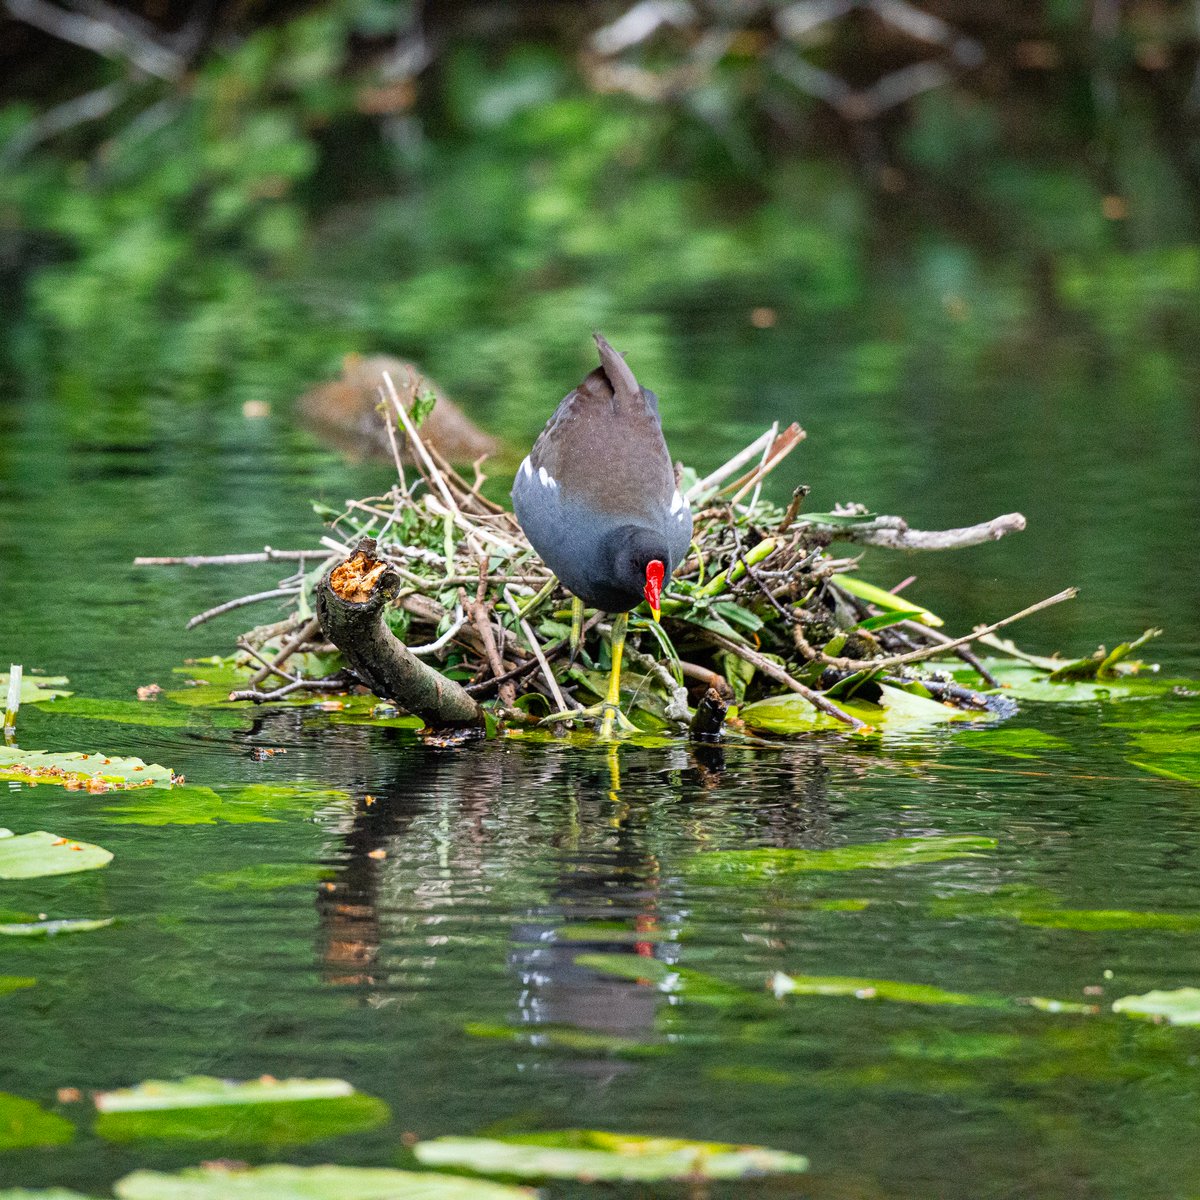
[[893, 533], [350, 602]]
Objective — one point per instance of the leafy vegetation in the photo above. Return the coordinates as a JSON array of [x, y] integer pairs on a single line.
[[32, 855]]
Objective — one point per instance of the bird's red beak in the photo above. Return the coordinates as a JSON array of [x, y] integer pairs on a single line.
[[653, 590]]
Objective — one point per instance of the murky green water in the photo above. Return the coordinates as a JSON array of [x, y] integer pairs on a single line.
[[437, 974]]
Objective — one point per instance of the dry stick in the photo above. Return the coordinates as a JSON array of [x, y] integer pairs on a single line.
[[328, 684], [302, 635], [531, 638], [709, 482], [786, 442], [893, 533], [415, 441], [481, 618], [268, 667], [230, 560], [240, 602], [968, 656], [898, 660], [774, 671], [552, 651]]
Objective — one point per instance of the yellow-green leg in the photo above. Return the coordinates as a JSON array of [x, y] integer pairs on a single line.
[[612, 702]]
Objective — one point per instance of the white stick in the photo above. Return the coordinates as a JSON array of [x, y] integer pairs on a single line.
[[738, 461]]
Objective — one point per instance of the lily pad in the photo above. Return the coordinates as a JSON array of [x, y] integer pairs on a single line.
[[1022, 681], [36, 689], [279, 1182], [155, 714], [24, 1123], [14, 983], [260, 1112], [33, 855], [760, 866], [52, 928], [879, 989], [260, 803], [265, 877], [89, 772], [588, 1154], [1178, 1007], [898, 712]]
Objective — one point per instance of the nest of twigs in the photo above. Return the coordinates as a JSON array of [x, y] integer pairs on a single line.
[[762, 605]]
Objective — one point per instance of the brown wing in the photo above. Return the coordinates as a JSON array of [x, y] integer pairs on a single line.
[[604, 444]]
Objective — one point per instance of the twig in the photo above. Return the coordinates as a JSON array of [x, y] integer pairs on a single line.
[[711, 482], [531, 638], [103, 36], [230, 560], [417, 443], [304, 634], [433, 647], [897, 660], [328, 684], [893, 533], [240, 602], [936, 635], [774, 671]]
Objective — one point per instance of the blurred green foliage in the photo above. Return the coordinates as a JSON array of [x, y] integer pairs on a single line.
[[249, 226]]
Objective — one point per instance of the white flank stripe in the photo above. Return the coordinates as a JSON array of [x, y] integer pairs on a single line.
[[677, 502], [527, 467]]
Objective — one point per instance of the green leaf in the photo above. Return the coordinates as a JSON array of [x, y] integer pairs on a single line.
[[564, 1037], [1101, 665], [90, 772], [884, 599], [53, 928], [870, 624], [263, 1112], [879, 989], [32, 855], [259, 803], [666, 977], [24, 1123], [36, 689], [588, 1155], [265, 877], [768, 864], [1178, 1007], [899, 712], [151, 714], [14, 983], [279, 1182], [422, 405]]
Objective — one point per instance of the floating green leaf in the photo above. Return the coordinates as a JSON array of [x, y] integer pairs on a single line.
[[1023, 681], [879, 989], [696, 985], [260, 803], [33, 855], [884, 599], [265, 877], [1178, 1007], [36, 689], [90, 772], [897, 712], [279, 1182], [1102, 664], [14, 983], [587, 1154], [1015, 743], [564, 1037], [154, 714], [24, 1123], [52, 928], [260, 1112], [767, 864], [1039, 908]]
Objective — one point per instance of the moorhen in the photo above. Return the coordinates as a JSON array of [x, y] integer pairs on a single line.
[[596, 497]]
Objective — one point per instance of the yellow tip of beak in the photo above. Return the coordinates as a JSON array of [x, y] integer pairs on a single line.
[[656, 613]]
